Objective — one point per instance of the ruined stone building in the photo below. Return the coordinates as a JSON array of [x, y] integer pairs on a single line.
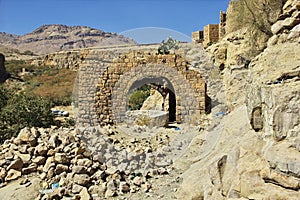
[[211, 33]]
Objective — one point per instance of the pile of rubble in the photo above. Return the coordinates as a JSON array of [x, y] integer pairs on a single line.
[[68, 168]]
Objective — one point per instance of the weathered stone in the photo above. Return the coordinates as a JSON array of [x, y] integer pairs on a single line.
[[76, 188], [137, 180], [111, 189], [54, 141], [30, 169], [39, 160], [22, 148], [280, 179], [78, 150], [12, 175], [97, 189], [82, 179], [16, 164], [41, 150], [84, 195], [3, 173], [61, 158], [61, 168], [51, 152], [49, 163], [146, 186], [79, 170], [26, 136], [99, 175], [26, 158], [288, 23], [124, 187], [84, 162], [51, 173]]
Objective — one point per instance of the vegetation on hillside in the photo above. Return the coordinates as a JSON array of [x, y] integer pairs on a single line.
[[47, 82], [28, 102]]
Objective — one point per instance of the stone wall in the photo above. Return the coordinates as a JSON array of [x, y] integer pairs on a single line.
[[211, 34], [107, 75], [64, 59], [197, 36]]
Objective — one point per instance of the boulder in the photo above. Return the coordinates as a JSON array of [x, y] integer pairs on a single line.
[[26, 136]]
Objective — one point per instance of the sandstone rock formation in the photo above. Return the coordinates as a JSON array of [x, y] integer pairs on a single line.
[[52, 38], [155, 102], [256, 17], [259, 157]]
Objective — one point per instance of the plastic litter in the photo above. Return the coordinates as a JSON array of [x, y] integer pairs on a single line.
[[220, 114], [46, 191], [55, 185]]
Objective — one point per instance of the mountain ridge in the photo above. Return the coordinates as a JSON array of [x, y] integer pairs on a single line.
[[56, 37]]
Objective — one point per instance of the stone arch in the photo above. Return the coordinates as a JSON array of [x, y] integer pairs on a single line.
[[115, 82], [186, 98], [164, 87]]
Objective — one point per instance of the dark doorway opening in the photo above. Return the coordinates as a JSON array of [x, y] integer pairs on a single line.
[[172, 106], [164, 87]]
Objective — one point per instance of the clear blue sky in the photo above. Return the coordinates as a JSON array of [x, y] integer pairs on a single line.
[[23, 16]]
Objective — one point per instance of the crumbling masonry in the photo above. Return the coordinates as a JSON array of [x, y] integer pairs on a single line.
[[108, 75]]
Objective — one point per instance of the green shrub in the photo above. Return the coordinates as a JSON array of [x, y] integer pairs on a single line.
[[138, 97], [22, 110]]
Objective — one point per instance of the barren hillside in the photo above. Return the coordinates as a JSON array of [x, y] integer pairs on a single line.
[[52, 38]]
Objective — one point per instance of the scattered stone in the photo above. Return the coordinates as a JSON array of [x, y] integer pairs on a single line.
[[16, 164], [76, 188], [31, 168], [82, 179], [84, 195], [124, 187], [12, 175], [61, 158]]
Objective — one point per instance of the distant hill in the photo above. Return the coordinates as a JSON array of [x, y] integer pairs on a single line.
[[52, 38]]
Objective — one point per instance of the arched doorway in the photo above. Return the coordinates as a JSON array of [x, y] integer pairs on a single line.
[[164, 87]]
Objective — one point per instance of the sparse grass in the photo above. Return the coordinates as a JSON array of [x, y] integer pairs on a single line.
[[56, 85], [143, 120], [48, 82]]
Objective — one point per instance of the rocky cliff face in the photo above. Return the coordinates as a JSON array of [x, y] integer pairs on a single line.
[[257, 18], [52, 38], [255, 148]]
